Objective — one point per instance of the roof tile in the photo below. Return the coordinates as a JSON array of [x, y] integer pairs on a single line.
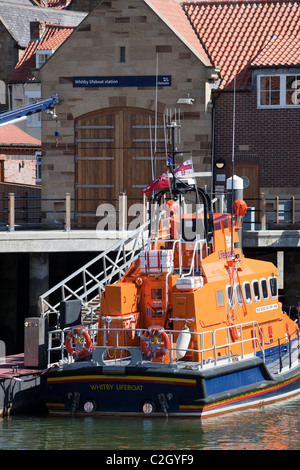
[[53, 36], [173, 14], [238, 35], [11, 134]]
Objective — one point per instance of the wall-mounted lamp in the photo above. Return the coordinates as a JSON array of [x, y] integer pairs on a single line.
[[220, 163], [186, 100]]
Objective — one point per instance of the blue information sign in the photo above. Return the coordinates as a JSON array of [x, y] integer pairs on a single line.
[[123, 81]]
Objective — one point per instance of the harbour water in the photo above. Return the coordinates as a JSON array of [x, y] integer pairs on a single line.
[[271, 427]]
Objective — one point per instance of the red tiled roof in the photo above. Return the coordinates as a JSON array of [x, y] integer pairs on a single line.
[[55, 4], [22, 71], [171, 12], [53, 36], [13, 135], [238, 35]]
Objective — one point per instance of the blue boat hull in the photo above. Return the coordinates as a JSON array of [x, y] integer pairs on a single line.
[[172, 392]]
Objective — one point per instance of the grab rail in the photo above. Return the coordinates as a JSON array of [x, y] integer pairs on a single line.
[[108, 266], [135, 350]]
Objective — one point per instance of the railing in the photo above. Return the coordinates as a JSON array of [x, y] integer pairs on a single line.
[[281, 358], [27, 211], [31, 212], [99, 353], [88, 282], [271, 213]]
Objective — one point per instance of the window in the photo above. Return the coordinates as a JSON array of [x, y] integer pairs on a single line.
[[220, 297], [122, 54], [270, 91], [31, 97], [38, 167], [2, 92], [239, 296], [273, 286], [41, 57], [292, 90], [281, 90], [156, 294], [256, 291], [264, 289], [229, 291], [247, 290]]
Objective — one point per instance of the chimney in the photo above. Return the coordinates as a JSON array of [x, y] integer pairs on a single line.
[[34, 30]]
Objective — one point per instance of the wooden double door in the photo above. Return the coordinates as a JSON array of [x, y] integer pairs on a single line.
[[115, 153]]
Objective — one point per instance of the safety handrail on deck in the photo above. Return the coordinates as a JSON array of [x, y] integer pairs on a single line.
[[213, 360], [109, 266]]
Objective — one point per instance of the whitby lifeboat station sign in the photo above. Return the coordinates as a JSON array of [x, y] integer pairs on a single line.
[[132, 81]]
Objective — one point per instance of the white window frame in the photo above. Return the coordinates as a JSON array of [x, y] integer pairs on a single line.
[[239, 294], [253, 291], [33, 120], [282, 98], [247, 300], [262, 290], [38, 165], [269, 287], [230, 300], [42, 56]]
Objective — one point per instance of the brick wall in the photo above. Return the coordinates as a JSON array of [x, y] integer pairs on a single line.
[[18, 169], [17, 172], [267, 137]]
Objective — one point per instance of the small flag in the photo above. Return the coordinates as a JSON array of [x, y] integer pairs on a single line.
[[159, 183], [184, 169]]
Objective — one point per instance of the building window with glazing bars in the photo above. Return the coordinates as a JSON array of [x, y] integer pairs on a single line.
[[281, 90]]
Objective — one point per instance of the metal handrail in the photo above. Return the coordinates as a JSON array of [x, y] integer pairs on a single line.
[[91, 285], [258, 346], [266, 217]]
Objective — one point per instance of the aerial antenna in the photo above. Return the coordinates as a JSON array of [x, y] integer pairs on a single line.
[[156, 94], [232, 160], [151, 149]]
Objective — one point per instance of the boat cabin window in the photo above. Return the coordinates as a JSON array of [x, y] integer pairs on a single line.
[[247, 291], [256, 291], [156, 294], [273, 286], [264, 289], [239, 296], [220, 297], [229, 291]]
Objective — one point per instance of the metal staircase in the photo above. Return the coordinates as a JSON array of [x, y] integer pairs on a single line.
[[87, 283]]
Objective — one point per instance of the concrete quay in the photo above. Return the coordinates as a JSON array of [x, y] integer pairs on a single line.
[[55, 241], [277, 239]]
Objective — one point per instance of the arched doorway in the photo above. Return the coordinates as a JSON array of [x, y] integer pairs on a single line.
[[114, 149]]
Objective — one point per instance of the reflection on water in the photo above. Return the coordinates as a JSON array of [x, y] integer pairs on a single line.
[[271, 427]]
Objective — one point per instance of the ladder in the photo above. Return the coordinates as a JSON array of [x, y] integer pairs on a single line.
[[88, 282]]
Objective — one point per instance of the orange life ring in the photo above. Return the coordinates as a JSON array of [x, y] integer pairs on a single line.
[[155, 342], [235, 333], [78, 353]]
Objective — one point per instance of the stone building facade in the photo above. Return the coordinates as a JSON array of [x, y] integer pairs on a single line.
[[106, 120]]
